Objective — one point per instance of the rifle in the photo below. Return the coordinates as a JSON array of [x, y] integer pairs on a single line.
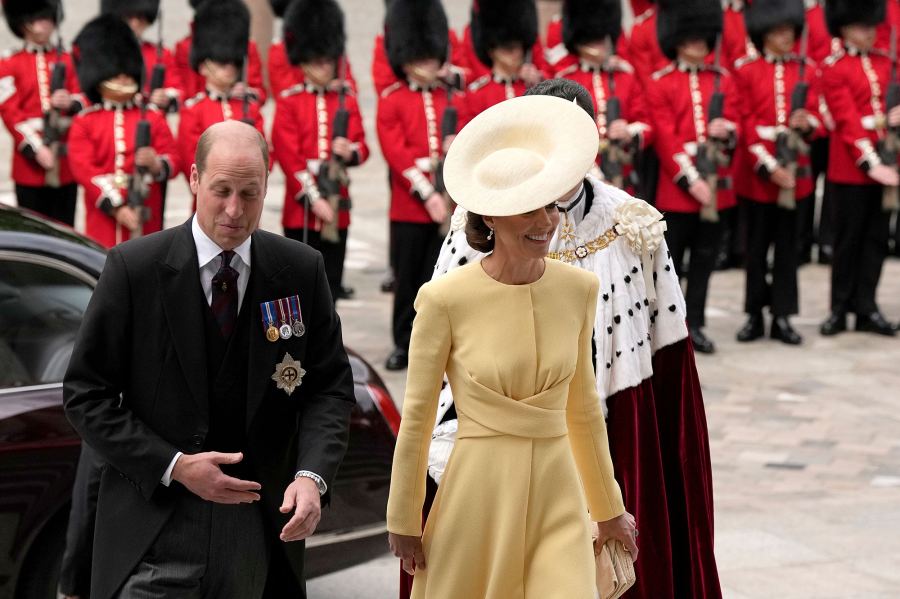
[[139, 182], [789, 144], [333, 174], [55, 124], [889, 147], [245, 101], [158, 77], [613, 155], [449, 124], [710, 153]]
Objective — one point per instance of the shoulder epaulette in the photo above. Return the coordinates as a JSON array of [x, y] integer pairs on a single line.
[[293, 90], [643, 16], [391, 89], [834, 57], [669, 68], [621, 65], [193, 101], [568, 70], [89, 109], [745, 60], [9, 53], [479, 83]]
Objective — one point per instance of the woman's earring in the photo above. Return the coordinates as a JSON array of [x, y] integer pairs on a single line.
[[491, 235]]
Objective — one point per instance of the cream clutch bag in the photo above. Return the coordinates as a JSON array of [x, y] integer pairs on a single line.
[[614, 570]]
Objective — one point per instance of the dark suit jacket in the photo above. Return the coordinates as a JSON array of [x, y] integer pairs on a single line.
[[136, 388]]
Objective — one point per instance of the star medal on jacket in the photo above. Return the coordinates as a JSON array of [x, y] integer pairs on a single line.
[[297, 316], [284, 313], [268, 318], [288, 374]]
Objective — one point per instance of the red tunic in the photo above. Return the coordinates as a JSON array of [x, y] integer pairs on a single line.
[[409, 127], [765, 88], [24, 98], [172, 83], [201, 112], [641, 47], [735, 42], [283, 75], [301, 139], [891, 20], [556, 55], [820, 43], [383, 75], [93, 154], [478, 69], [680, 122], [854, 87], [193, 83], [486, 91]]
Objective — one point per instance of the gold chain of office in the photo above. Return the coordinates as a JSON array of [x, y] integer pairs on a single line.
[[583, 251]]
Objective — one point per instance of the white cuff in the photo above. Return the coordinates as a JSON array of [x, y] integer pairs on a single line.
[[167, 477]]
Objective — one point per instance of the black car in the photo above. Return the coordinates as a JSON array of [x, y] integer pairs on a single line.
[[47, 275]]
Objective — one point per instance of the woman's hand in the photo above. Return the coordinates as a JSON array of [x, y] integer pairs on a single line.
[[620, 528], [409, 550]]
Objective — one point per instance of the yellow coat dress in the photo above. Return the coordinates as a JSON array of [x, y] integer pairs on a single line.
[[531, 459]]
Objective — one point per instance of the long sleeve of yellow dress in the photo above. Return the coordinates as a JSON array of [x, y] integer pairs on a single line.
[[587, 428], [428, 352]]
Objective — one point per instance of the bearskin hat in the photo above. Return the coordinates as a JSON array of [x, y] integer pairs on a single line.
[[106, 48], [585, 21], [415, 30], [20, 12], [148, 9], [761, 16], [279, 7], [495, 23], [314, 29], [221, 33], [681, 20], [839, 13]]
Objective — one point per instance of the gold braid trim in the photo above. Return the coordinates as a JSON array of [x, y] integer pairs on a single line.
[[583, 251]]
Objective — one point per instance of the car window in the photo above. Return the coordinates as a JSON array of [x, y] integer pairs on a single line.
[[41, 307]]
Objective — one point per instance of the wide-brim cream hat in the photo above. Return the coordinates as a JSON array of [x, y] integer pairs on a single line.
[[520, 155]]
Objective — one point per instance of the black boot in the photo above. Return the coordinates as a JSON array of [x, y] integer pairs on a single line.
[[398, 360], [874, 323], [701, 342], [834, 324], [346, 292], [753, 329], [784, 332]]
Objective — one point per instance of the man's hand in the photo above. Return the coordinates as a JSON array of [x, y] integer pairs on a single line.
[[203, 477], [530, 74], [783, 179], [620, 528], [700, 191], [301, 496], [409, 550], [618, 130], [894, 117], [323, 210], [61, 100], [884, 175], [159, 98], [436, 207], [128, 218], [343, 148], [239, 90], [720, 128], [148, 159], [448, 141], [800, 120], [45, 158]]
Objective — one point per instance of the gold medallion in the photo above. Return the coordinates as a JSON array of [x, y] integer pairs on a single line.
[[288, 374], [272, 333]]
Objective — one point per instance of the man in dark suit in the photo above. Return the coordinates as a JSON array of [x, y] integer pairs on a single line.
[[177, 377]]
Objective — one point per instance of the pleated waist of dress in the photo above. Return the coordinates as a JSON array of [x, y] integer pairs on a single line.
[[486, 413]]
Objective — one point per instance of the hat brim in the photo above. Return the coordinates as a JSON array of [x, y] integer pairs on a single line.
[[520, 155]]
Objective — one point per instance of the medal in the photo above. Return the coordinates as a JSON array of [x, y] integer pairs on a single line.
[[269, 322], [288, 374], [285, 330], [298, 327]]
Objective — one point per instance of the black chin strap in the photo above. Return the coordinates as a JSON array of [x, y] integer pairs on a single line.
[[574, 202]]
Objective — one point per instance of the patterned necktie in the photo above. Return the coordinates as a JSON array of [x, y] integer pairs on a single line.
[[225, 295]]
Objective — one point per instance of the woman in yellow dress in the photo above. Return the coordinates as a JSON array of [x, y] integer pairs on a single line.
[[531, 464]]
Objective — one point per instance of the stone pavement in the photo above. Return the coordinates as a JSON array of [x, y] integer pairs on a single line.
[[805, 441]]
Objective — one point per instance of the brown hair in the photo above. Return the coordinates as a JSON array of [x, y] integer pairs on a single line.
[[477, 233]]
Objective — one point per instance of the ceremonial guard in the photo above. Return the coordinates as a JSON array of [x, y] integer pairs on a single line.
[[855, 80], [318, 134], [283, 74], [591, 30], [641, 46], [694, 113], [502, 32], [773, 175], [410, 114], [193, 82], [120, 149], [161, 82], [221, 30], [38, 96]]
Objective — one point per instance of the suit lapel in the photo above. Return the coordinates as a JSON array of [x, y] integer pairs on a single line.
[[179, 279], [266, 273]]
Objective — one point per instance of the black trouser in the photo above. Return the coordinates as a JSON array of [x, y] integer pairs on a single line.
[[56, 202], [417, 248], [687, 232], [860, 245], [769, 224], [332, 253]]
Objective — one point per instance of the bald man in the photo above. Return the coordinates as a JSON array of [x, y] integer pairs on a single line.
[[210, 375]]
